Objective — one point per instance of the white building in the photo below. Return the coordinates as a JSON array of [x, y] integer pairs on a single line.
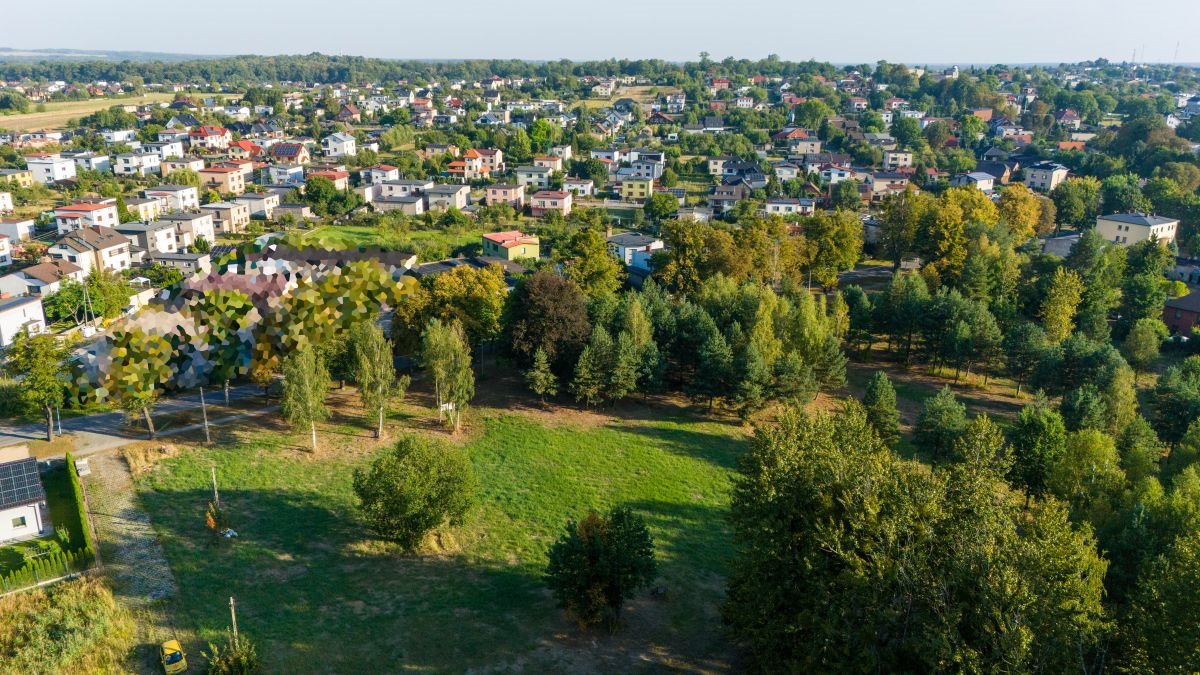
[[24, 513], [17, 229], [137, 164], [50, 170], [338, 145], [1045, 176], [633, 248], [6, 202], [175, 197], [1126, 229], [77, 216]]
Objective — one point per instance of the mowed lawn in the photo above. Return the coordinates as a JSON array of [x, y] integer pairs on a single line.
[[57, 113], [321, 594]]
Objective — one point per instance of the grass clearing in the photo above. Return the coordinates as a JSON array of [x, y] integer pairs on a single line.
[[314, 587], [354, 236], [57, 113]]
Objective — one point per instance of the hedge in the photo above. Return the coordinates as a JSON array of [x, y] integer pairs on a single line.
[[59, 563], [80, 504]]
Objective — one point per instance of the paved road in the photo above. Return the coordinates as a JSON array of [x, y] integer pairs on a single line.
[[103, 431]]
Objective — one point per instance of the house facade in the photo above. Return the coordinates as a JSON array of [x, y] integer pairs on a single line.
[[175, 197], [545, 201], [511, 245], [24, 513], [76, 216], [1126, 229], [1045, 176], [501, 193], [223, 179]]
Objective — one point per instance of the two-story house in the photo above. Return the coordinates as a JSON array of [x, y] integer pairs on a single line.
[[92, 248], [339, 145], [76, 216], [229, 217], [225, 180], [634, 249], [444, 197], [1045, 176], [637, 189], [175, 197], [190, 226], [140, 163], [502, 193], [50, 169], [155, 236], [289, 153], [374, 175], [511, 245], [208, 137], [545, 201], [533, 177]]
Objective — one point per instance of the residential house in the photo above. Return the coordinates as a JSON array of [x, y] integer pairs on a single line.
[[340, 179], [173, 135], [976, 179], [189, 263], [17, 229], [209, 138], [285, 174], [1182, 314], [511, 245], [502, 193], [19, 177], [1045, 176], [637, 189], [723, 197], [260, 204], [716, 165], [225, 180], [634, 249], [348, 113], [374, 175], [406, 187], [445, 197], [339, 145], [181, 164], [191, 226], [786, 171], [545, 201], [648, 168], [1126, 229], [580, 187], [6, 253], [112, 136], [165, 149], [787, 206], [536, 177], [804, 146], [77, 216], [175, 197], [897, 159], [409, 204], [289, 153], [137, 164], [50, 169], [24, 513], [1002, 172], [88, 160], [245, 149], [156, 236], [144, 209], [46, 278], [229, 217], [1070, 119], [549, 162]]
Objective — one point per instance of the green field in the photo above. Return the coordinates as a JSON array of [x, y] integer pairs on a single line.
[[419, 241], [58, 113], [319, 593]]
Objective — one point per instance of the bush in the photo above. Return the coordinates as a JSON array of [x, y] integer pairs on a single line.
[[413, 488], [599, 563], [237, 657]]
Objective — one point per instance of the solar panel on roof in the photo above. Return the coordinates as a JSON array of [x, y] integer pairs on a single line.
[[20, 483]]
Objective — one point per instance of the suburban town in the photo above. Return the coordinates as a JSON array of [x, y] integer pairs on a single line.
[[339, 364]]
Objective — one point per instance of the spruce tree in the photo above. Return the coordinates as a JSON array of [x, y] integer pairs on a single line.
[[540, 378], [627, 363], [880, 402], [715, 369]]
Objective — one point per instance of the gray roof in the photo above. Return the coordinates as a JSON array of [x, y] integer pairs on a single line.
[[9, 303], [20, 483], [1143, 219], [152, 226], [632, 239]]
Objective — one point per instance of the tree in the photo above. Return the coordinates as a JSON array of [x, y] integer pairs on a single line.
[[593, 372], [540, 378], [660, 206], [1084, 408], [940, 423], [1021, 210], [845, 196], [547, 312], [375, 371], [850, 559], [879, 401], [447, 357], [414, 487], [1061, 304], [38, 362], [714, 371], [1158, 633], [590, 265], [598, 563], [1088, 476], [1141, 345], [1140, 450], [237, 657], [1023, 346], [305, 384], [201, 245], [1038, 438], [1077, 200]]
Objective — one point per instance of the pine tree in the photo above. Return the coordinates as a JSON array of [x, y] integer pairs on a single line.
[[880, 402], [588, 384], [715, 369], [830, 365], [627, 363], [794, 381], [540, 378]]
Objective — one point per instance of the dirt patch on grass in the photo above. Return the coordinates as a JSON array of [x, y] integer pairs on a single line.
[[141, 457]]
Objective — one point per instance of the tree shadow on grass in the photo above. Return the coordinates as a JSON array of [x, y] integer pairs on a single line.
[[719, 450]]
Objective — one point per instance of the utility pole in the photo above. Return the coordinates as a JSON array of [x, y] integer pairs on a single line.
[[233, 617], [58, 411], [204, 413], [216, 495]]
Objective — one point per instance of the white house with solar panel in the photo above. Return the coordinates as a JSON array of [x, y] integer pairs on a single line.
[[23, 510]]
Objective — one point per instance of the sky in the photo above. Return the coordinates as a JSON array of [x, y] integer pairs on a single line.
[[855, 31]]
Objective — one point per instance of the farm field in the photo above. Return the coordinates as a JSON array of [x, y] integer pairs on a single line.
[[318, 592], [57, 113]]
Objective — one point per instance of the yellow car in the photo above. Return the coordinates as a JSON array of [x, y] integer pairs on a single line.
[[172, 657]]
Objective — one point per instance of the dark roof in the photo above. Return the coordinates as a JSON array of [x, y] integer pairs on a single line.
[[628, 239], [1144, 219], [1187, 303], [20, 483]]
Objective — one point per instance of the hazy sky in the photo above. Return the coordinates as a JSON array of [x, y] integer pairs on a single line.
[[915, 32]]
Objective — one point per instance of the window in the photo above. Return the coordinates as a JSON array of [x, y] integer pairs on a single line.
[[18, 523]]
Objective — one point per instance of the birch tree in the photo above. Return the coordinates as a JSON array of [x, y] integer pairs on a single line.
[[305, 383]]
